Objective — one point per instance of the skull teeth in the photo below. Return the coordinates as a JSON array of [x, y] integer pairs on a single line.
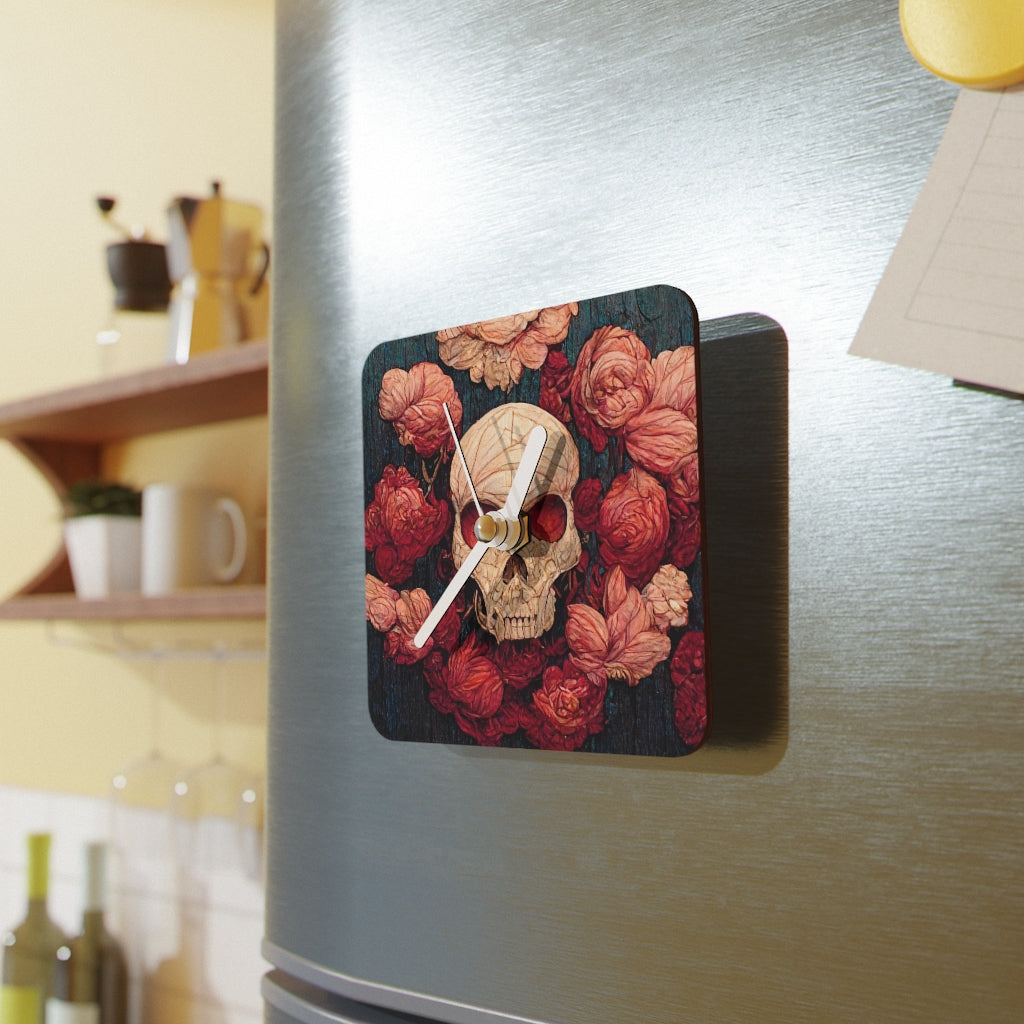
[[518, 627], [505, 627]]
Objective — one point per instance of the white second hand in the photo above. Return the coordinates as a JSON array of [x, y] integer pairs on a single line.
[[462, 459]]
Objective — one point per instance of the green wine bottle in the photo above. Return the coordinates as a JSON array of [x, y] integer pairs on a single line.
[[91, 978], [31, 947]]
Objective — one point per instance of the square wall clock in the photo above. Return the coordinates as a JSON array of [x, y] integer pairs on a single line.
[[534, 530]]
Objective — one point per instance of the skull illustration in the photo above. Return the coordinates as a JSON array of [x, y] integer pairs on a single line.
[[518, 588]]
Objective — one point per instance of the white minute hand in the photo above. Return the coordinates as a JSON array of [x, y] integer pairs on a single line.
[[510, 512]]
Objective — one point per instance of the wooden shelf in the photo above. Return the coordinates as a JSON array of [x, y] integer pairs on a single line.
[[212, 388], [229, 602], [63, 434]]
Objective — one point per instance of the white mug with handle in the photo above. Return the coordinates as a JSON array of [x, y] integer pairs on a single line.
[[191, 537]]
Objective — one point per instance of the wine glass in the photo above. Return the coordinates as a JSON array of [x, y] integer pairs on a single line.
[[140, 792], [147, 781], [217, 807]]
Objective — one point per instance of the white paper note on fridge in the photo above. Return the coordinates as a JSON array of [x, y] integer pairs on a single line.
[[952, 297]]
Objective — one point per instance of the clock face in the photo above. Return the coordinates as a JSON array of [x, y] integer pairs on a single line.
[[539, 584]]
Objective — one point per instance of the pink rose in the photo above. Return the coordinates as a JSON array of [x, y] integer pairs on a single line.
[[399, 617], [587, 633], [411, 608], [633, 525], [548, 328], [496, 351], [414, 402], [380, 604], [660, 440], [688, 677], [667, 598], [402, 524], [624, 641], [675, 380], [663, 436], [685, 483], [567, 708], [611, 383]]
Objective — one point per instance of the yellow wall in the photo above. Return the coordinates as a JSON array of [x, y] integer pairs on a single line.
[[143, 100]]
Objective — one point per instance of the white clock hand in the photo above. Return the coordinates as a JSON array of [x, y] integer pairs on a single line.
[[492, 530], [444, 602], [462, 458]]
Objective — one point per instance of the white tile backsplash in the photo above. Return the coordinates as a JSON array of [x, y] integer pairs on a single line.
[[186, 901]]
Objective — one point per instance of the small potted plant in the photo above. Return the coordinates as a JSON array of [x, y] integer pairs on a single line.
[[103, 537]]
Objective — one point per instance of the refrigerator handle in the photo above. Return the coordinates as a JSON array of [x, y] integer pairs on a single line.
[[297, 1002]]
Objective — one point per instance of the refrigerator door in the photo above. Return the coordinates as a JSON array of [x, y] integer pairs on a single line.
[[847, 849]]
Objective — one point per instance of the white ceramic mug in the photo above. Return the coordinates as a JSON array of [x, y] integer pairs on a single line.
[[191, 537]]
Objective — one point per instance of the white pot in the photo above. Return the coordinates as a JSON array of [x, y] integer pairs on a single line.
[[105, 554]]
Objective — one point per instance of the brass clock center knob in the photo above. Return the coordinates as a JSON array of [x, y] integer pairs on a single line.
[[486, 529]]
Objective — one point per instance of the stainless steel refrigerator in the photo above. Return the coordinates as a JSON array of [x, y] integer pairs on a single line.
[[846, 843]]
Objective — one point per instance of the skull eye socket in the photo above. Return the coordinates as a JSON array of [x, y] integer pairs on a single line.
[[468, 518], [548, 518]]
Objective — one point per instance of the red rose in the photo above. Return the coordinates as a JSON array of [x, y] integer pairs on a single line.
[[391, 565], [474, 683], [414, 402], [568, 707], [623, 642], [633, 525], [520, 662], [470, 687], [586, 504], [688, 678], [402, 525], [488, 732], [611, 383], [593, 592], [683, 544], [555, 380], [576, 587]]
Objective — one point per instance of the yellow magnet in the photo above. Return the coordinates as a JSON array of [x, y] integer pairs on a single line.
[[977, 43]]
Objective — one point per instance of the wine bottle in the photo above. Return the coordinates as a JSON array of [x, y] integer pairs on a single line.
[[91, 978], [31, 947]]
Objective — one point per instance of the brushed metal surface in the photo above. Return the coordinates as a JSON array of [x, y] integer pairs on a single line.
[[437, 166]]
